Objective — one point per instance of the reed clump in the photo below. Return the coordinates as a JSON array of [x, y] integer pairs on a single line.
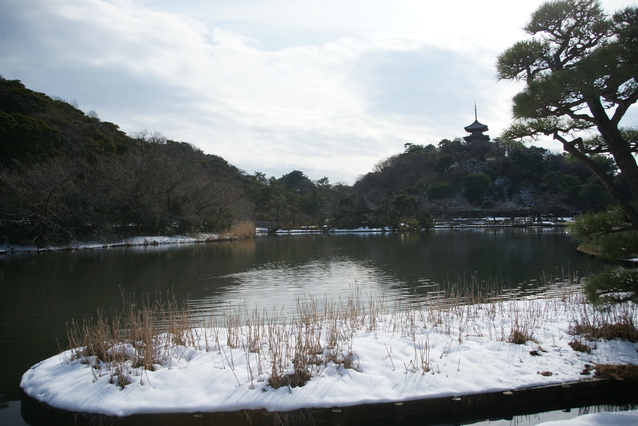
[[129, 340], [616, 322], [617, 371], [242, 230], [579, 346]]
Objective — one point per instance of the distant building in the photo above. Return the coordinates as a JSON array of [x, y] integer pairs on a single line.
[[476, 130]]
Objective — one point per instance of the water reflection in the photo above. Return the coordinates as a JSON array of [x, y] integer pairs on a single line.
[[277, 287], [286, 268]]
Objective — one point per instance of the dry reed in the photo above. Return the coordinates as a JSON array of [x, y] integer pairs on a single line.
[[129, 340], [616, 322], [244, 229]]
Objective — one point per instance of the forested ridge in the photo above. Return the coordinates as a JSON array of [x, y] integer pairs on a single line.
[[65, 174], [487, 177]]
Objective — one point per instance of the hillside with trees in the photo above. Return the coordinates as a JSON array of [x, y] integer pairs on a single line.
[[454, 179], [485, 178], [68, 175]]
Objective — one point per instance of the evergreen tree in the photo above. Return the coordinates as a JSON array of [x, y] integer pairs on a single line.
[[581, 74]]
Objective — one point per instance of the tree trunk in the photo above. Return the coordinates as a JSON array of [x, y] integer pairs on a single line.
[[613, 189], [618, 147], [621, 151]]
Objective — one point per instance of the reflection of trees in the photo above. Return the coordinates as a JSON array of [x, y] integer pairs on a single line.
[[206, 270], [438, 257], [509, 256]]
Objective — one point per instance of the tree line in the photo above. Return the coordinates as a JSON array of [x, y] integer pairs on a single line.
[[488, 178], [452, 179]]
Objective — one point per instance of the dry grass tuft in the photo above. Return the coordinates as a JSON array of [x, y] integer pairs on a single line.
[[518, 337], [579, 346], [621, 371], [242, 230], [623, 330], [298, 378], [617, 323]]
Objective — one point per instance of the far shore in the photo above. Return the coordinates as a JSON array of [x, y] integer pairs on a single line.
[[157, 240]]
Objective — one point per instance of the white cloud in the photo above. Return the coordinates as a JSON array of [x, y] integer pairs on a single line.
[[328, 88]]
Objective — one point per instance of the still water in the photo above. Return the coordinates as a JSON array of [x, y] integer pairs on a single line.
[[40, 293]]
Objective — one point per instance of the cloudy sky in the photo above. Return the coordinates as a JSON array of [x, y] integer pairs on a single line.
[[326, 87]]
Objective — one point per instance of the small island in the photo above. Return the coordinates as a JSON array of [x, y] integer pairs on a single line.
[[347, 359]]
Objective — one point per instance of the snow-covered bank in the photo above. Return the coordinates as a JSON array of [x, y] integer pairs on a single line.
[[127, 242], [628, 418], [208, 237], [353, 355]]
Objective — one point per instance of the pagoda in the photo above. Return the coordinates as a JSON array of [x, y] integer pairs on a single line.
[[476, 130]]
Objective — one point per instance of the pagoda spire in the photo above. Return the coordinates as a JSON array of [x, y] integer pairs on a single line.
[[476, 130]]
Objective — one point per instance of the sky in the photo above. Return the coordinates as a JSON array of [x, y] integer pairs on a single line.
[[326, 87]]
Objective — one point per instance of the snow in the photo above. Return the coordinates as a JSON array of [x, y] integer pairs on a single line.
[[628, 418], [134, 241], [315, 230], [393, 354]]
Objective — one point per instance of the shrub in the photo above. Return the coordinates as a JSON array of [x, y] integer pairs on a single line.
[[579, 346], [615, 285]]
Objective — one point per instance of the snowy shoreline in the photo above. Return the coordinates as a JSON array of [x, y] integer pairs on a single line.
[[584, 403], [127, 242], [141, 241], [401, 355]]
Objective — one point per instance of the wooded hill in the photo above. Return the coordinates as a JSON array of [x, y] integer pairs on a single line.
[[65, 174], [487, 178], [454, 178]]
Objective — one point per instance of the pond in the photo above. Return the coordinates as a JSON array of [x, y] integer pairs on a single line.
[[40, 293]]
